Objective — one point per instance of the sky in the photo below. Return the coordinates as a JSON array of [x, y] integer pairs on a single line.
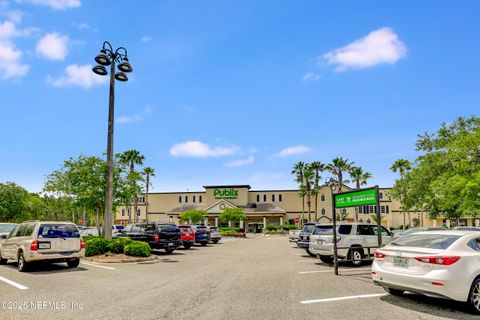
[[233, 92]]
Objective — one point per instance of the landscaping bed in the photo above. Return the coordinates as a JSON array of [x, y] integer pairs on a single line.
[[119, 258], [116, 250]]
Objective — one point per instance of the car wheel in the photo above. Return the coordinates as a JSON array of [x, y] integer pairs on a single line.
[[215, 241], [22, 264], [2, 260], [73, 263], [474, 297], [326, 259], [169, 251], [356, 256], [186, 246], [310, 253], [204, 244], [394, 292]]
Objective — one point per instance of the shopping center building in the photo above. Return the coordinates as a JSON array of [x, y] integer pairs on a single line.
[[262, 207]]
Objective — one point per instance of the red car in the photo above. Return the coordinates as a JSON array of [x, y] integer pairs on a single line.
[[187, 235]]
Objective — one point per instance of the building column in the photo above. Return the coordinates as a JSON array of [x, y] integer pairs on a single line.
[[241, 224], [205, 222], [281, 220], [229, 224], [448, 223], [434, 223], [216, 222], [264, 223]]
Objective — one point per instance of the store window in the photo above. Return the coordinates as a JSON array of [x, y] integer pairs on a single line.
[[280, 197], [194, 198], [264, 198], [179, 199], [123, 212], [258, 198], [186, 199], [200, 199], [323, 211], [322, 197], [273, 198]]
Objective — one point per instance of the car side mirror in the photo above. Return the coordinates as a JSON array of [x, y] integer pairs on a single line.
[[4, 236]]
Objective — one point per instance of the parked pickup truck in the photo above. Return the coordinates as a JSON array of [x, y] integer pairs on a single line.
[[157, 235], [215, 235], [187, 236], [304, 237], [293, 235]]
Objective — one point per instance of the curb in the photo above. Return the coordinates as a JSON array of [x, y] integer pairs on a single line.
[[130, 260]]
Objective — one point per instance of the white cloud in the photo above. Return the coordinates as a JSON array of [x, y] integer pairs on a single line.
[[146, 39], [310, 77], [56, 4], [75, 75], [381, 46], [53, 46], [84, 26], [200, 150], [10, 56], [240, 162], [134, 118], [290, 151]]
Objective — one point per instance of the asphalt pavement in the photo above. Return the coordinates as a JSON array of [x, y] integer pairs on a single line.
[[253, 278]]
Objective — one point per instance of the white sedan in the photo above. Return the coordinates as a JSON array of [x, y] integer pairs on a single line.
[[444, 264]]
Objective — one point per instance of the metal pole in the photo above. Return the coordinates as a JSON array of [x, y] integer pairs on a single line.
[[107, 221], [379, 220], [334, 219]]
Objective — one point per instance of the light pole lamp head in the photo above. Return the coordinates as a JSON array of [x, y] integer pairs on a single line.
[[125, 66], [100, 70], [102, 58], [121, 76]]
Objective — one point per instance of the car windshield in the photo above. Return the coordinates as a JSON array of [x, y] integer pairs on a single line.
[[214, 228], [308, 228], [58, 231], [429, 241], [323, 230], [7, 227]]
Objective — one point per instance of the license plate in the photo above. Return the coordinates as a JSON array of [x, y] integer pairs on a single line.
[[44, 245], [170, 244], [400, 262]]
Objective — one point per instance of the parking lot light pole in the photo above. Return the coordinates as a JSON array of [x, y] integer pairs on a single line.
[[333, 186], [105, 58]]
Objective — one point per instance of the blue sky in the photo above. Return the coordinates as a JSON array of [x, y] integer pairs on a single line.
[[228, 92]]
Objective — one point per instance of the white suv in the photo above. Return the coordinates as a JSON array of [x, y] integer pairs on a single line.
[[34, 241], [353, 241]]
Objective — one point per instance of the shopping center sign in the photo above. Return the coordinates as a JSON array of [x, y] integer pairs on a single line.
[[225, 193], [356, 198]]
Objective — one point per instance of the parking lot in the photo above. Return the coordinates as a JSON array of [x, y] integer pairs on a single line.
[[253, 278]]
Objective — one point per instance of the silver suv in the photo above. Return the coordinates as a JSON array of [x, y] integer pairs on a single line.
[[51, 241], [353, 241]]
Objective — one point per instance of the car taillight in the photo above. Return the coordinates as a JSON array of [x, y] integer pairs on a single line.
[[34, 245], [82, 244], [155, 238], [445, 260], [379, 255], [338, 239]]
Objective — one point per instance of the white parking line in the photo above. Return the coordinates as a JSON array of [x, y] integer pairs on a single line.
[[13, 283], [363, 296], [331, 270], [96, 265], [306, 261]]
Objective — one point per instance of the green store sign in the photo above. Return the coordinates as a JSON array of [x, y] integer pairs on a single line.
[[356, 198], [225, 193]]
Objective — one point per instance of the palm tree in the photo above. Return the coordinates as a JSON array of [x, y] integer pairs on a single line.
[[148, 172], [402, 166], [297, 170], [360, 178], [132, 158], [338, 167], [308, 176], [318, 167]]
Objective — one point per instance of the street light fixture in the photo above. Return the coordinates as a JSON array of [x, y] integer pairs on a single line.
[[332, 183], [108, 57]]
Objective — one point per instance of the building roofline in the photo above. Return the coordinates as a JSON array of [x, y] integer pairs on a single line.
[[229, 186]]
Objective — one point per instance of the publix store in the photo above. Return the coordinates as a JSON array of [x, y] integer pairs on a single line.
[[261, 207]]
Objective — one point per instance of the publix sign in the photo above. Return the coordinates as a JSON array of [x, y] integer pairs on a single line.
[[225, 193]]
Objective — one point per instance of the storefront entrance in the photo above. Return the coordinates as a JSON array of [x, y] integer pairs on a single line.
[[254, 227]]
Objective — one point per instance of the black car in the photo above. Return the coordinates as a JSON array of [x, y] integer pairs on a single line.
[[304, 237], [157, 235]]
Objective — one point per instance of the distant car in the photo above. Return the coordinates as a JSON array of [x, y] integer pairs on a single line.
[[354, 240], [50, 241], [304, 237], [187, 236], [442, 264], [293, 235], [415, 230], [467, 228], [157, 235], [117, 227], [202, 235], [6, 228], [215, 235], [88, 231]]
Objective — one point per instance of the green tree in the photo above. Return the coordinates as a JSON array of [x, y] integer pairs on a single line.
[[402, 166], [193, 216], [338, 167], [308, 178], [132, 158], [18, 205], [298, 170], [360, 178], [148, 172], [232, 215], [318, 168]]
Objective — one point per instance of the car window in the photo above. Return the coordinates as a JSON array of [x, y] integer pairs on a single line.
[[128, 228], [29, 229], [323, 230], [308, 228], [7, 227], [13, 233], [120, 227], [384, 231], [58, 231], [429, 241], [21, 230], [345, 229], [364, 230], [474, 244]]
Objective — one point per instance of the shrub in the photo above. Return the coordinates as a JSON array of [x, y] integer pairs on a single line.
[[96, 246], [230, 229], [271, 227], [137, 249], [117, 245], [292, 227], [86, 238]]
